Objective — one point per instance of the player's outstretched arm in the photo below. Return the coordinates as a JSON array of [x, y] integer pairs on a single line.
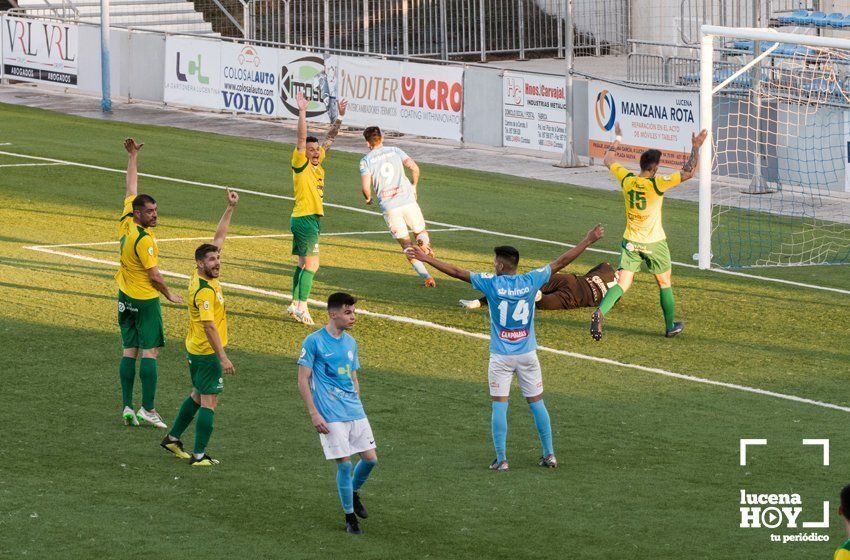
[[224, 222], [215, 341], [158, 282], [304, 375], [449, 269], [301, 135], [132, 166], [592, 237], [366, 187], [334, 130], [690, 167], [610, 157]]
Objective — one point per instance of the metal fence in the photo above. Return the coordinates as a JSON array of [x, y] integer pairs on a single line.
[[441, 28]]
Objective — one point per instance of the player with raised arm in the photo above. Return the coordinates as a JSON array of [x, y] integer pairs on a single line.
[[139, 285], [644, 240], [513, 345], [308, 180], [327, 381], [567, 291], [205, 346], [382, 170]]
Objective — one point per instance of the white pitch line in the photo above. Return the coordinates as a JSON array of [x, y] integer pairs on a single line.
[[481, 336], [30, 164], [229, 237], [472, 229]]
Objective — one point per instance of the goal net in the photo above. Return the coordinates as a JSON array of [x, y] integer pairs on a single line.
[[778, 193]]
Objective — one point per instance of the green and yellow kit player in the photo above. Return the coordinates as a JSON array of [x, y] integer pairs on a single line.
[[843, 553], [644, 241], [205, 347], [308, 181], [139, 285]]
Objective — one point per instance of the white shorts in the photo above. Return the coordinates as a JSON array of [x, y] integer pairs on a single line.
[[403, 217], [347, 438], [525, 366]]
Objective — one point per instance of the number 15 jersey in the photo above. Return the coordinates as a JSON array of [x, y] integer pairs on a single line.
[[644, 197], [510, 300]]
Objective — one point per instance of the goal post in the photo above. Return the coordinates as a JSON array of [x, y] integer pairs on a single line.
[[772, 173]]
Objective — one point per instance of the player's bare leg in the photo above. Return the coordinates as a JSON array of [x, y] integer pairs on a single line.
[[668, 304], [624, 282], [417, 264]]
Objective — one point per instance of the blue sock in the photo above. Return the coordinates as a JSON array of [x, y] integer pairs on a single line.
[[544, 425], [361, 472], [500, 428], [343, 484]]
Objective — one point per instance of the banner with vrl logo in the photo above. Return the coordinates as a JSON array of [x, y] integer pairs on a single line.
[[421, 99], [193, 74], [663, 120], [41, 51]]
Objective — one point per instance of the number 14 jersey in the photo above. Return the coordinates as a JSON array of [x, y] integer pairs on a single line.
[[510, 300]]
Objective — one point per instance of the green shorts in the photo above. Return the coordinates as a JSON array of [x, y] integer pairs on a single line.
[[141, 322], [305, 235], [655, 255], [205, 370]]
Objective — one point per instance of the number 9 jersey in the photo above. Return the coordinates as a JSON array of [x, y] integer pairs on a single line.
[[510, 300]]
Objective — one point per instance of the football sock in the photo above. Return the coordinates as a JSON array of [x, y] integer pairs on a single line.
[[544, 425], [668, 306], [500, 428], [611, 297], [296, 278], [424, 238], [420, 268], [361, 472], [147, 373], [184, 417], [127, 375], [343, 485], [203, 429], [305, 284]]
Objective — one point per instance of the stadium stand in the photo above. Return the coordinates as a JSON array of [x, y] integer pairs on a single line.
[[160, 15]]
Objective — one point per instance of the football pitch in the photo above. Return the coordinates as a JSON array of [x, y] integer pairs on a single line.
[[646, 428]]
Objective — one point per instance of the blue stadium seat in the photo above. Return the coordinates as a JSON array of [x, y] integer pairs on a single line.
[[743, 45], [818, 19], [845, 22], [792, 17], [835, 19]]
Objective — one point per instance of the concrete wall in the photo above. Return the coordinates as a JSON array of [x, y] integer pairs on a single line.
[[482, 106]]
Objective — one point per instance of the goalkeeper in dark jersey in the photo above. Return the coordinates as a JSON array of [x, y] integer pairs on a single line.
[[568, 291]]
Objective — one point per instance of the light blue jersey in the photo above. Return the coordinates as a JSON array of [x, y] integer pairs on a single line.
[[391, 186], [511, 303], [332, 361]]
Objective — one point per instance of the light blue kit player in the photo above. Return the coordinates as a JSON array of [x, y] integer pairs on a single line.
[[382, 171], [327, 381], [513, 345]]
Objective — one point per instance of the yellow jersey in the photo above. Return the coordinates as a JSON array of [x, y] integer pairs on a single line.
[[843, 553], [138, 253], [308, 180], [206, 303], [644, 197]]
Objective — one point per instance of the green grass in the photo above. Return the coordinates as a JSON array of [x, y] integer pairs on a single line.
[[650, 464]]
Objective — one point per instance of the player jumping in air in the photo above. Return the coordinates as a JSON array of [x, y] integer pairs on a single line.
[[308, 179], [327, 381], [644, 240], [139, 286], [843, 553], [205, 344], [513, 345], [567, 291], [382, 169]]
